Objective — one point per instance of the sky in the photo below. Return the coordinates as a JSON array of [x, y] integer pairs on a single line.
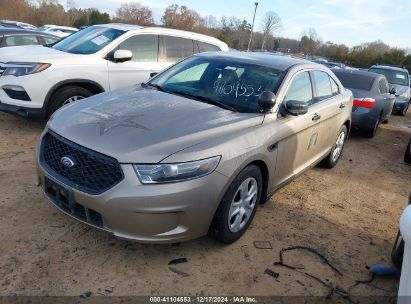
[[341, 21]]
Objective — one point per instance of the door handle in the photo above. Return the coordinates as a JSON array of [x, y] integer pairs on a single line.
[[342, 105], [316, 117]]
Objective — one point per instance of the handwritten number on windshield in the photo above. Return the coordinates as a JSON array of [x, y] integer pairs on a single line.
[[238, 89]]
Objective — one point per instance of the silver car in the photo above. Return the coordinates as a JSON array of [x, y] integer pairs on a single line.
[[196, 149]]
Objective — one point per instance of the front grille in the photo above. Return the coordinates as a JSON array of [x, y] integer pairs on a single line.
[[20, 95], [91, 172], [60, 197], [2, 69]]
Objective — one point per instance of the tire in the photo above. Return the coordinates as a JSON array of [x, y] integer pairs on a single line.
[[370, 133], [333, 157], [63, 95], [404, 112], [228, 225], [397, 253], [407, 155]]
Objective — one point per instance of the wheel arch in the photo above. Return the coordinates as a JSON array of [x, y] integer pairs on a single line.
[[90, 85]]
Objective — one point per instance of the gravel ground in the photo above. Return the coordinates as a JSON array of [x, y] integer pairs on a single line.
[[350, 214]]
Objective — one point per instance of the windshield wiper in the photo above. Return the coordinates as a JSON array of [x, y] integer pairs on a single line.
[[157, 86]]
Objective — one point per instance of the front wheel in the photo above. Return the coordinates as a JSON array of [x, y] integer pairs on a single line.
[[67, 95], [238, 206], [404, 112], [333, 157]]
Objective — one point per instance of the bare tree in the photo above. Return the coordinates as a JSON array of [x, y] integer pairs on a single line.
[[271, 23], [135, 13]]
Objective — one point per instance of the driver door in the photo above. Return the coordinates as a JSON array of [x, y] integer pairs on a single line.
[[296, 136], [145, 60]]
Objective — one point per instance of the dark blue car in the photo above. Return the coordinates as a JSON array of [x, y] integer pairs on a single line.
[[399, 79], [373, 101]]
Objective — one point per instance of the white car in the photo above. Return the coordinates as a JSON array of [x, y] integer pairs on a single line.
[[35, 81], [404, 293], [60, 31], [24, 25]]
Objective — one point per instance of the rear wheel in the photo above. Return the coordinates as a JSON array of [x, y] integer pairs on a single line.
[[238, 207], [67, 95], [370, 133], [332, 159]]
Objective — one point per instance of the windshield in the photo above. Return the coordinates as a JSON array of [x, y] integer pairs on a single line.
[[88, 41], [228, 82], [393, 77]]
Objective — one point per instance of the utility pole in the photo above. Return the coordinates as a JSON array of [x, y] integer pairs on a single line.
[[252, 27]]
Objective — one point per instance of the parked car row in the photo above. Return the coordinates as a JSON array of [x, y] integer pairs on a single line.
[[18, 37], [189, 133], [36, 81], [56, 30]]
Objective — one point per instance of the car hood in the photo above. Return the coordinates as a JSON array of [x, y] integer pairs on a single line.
[[137, 125], [32, 53], [399, 89]]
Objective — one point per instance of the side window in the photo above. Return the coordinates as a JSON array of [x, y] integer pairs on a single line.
[[322, 86], [300, 89], [49, 40], [383, 86], [206, 47], [143, 47], [177, 48], [334, 87], [20, 40]]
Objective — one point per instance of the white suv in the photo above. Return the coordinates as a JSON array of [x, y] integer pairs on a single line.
[[35, 81]]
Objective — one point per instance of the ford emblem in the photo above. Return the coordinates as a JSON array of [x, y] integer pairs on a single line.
[[67, 162]]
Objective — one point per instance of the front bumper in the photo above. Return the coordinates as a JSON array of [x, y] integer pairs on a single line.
[[400, 105], [36, 86], [32, 113], [165, 213]]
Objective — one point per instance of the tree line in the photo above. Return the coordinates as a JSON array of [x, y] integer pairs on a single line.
[[232, 30]]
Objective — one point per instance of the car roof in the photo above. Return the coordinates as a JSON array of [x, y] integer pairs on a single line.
[[9, 31], [277, 62], [162, 30], [388, 67]]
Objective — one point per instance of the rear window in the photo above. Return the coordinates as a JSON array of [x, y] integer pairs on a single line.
[[355, 81]]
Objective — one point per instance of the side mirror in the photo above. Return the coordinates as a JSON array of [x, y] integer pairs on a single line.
[[266, 101], [392, 90], [122, 55], [296, 107], [153, 74]]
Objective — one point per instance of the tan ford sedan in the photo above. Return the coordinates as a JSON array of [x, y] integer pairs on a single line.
[[196, 149]]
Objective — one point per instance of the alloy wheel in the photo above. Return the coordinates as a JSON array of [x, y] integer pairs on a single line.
[[72, 99], [338, 146], [243, 204]]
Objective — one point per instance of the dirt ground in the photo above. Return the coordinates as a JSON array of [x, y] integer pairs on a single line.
[[350, 214]]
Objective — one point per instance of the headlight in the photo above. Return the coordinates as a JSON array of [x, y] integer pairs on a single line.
[[403, 96], [21, 69], [167, 173]]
